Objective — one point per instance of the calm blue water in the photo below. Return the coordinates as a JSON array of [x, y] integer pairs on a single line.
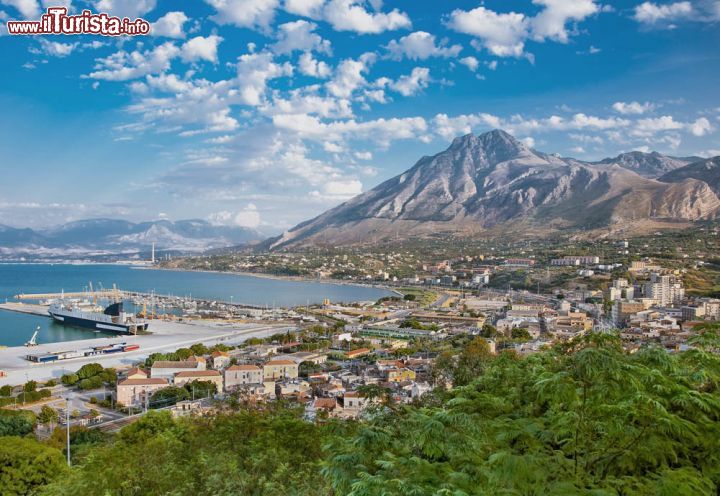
[[16, 328]]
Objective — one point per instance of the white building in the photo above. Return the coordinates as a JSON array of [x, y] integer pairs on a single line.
[[664, 290]]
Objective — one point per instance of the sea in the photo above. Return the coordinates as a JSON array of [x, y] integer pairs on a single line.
[[16, 328]]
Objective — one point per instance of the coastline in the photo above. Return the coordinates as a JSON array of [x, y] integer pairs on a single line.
[[276, 277]]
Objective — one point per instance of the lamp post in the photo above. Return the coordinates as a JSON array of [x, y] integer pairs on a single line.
[[67, 424]]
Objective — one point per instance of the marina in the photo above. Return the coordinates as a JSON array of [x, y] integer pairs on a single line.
[[27, 290]]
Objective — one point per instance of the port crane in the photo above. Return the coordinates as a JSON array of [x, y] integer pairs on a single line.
[[33, 339]]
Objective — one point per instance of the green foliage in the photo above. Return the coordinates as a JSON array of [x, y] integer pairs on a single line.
[[26, 465], [91, 376], [581, 418], [520, 334], [89, 370], [30, 386], [201, 389], [271, 453], [168, 396], [94, 382], [47, 415], [6, 390], [16, 422], [69, 379], [199, 349], [414, 323], [584, 418], [51, 383], [23, 397]]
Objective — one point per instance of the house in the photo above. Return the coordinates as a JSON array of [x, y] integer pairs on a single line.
[[308, 356], [328, 406], [399, 374], [220, 360], [188, 408], [137, 392], [186, 376], [360, 352], [166, 369], [136, 373], [241, 375], [264, 350], [291, 388], [280, 369], [354, 403]]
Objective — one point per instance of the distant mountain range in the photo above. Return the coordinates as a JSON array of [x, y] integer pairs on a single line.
[[495, 183], [99, 237]]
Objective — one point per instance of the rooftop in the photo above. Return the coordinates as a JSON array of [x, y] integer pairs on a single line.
[[142, 382], [198, 373]]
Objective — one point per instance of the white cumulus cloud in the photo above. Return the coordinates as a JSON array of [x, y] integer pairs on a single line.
[[349, 15], [170, 25], [253, 14], [632, 107], [201, 48], [420, 45]]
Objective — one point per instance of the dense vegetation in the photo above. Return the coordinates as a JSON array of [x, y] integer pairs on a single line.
[[91, 376], [581, 418]]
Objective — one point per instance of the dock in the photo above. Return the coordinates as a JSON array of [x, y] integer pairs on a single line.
[[119, 294], [27, 308]]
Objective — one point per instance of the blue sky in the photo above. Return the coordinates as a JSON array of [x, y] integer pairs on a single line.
[[264, 113]]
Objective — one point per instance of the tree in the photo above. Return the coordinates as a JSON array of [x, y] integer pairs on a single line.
[[471, 361], [16, 422], [582, 418], [521, 334], [69, 379], [89, 370], [48, 415], [168, 396], [6, 390], [30, 386], [200, 389], [199, 349], [489, 331], [27, 465]]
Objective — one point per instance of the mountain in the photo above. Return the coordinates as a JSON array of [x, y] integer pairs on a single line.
[[95, 237], [651, 165], [493, 181], [707, 171]]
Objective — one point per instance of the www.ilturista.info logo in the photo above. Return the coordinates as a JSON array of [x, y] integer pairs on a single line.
[[57, 21]]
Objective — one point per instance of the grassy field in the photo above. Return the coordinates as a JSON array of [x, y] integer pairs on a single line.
[[423, 296]]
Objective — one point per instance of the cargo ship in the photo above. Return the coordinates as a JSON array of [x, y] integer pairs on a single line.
[[113, 319]]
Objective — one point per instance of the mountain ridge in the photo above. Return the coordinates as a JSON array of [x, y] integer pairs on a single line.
[[103, 236], [493, 180]]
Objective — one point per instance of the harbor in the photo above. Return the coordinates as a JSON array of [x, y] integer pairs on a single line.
[[166, 337], [155, 295]]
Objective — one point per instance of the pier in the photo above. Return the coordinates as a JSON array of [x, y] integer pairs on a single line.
[[119, 294]]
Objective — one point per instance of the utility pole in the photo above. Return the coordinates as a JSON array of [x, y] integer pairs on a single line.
[[67, 424]]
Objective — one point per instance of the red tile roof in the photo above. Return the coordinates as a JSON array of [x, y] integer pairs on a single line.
[[198, 373], [142, 382]]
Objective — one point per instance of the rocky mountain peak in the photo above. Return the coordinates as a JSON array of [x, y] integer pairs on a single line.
[[493, 181], [488, 148]]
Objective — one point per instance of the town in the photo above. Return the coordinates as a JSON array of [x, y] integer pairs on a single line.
[[339, 360]]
